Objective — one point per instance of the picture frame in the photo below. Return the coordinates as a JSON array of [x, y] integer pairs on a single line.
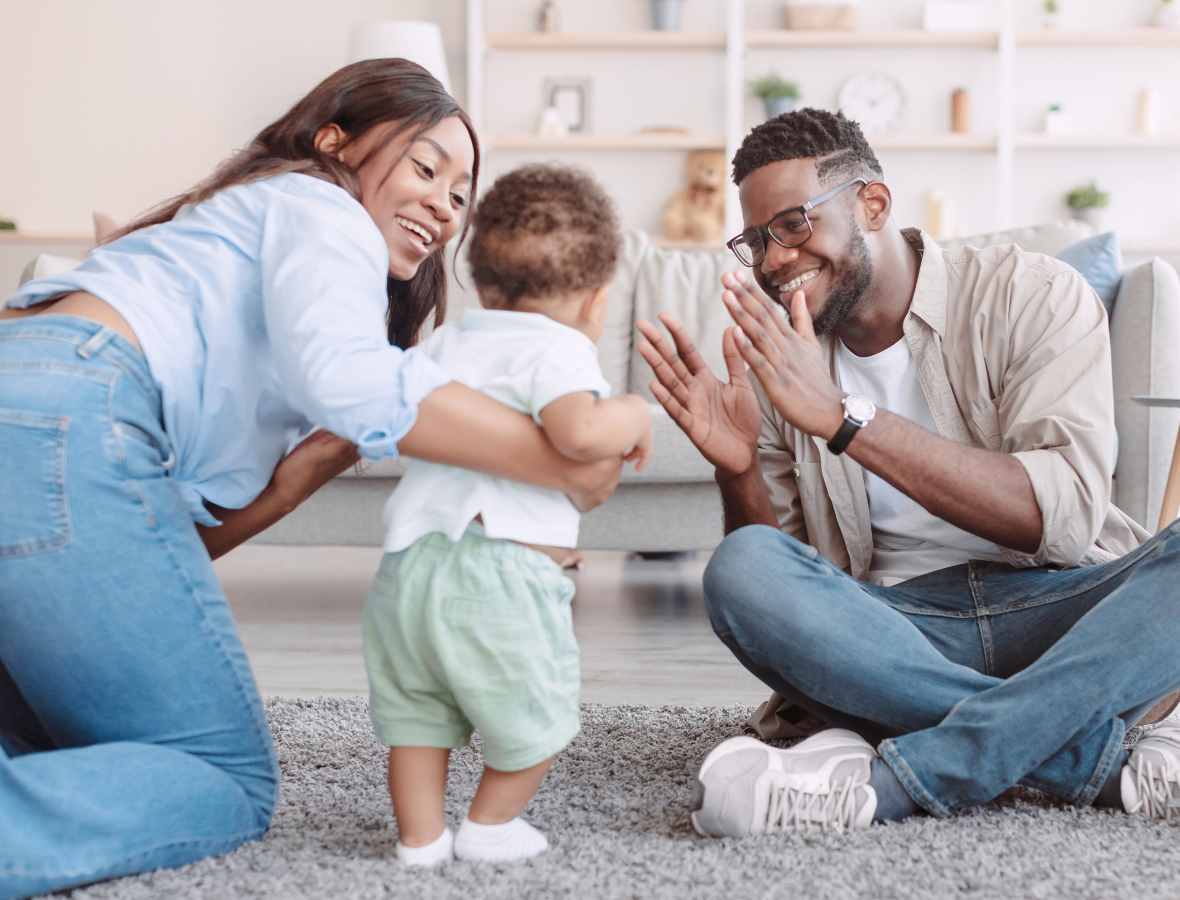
[[571, 98]]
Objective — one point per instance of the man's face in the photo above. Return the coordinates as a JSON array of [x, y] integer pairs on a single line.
[[834, 268]]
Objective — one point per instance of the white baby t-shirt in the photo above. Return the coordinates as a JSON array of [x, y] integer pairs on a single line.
[[907, 540], [525, 361]]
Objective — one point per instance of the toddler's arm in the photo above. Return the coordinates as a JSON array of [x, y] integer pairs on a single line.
[[585, 428]]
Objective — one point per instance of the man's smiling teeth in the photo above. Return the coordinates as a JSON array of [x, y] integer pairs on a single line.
[[793, 285], [426, 236]]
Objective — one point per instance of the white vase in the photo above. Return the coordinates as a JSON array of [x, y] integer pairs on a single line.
[[1093, 215], [1167, 15], [666, 14], [1051, 20], [776, 106]]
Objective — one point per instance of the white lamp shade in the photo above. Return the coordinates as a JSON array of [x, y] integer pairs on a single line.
[[420, 42]]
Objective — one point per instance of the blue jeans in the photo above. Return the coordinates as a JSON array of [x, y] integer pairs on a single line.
[[970, 679], [132, 736]]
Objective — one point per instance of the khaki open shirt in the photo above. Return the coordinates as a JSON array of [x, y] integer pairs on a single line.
[[1013, 354]]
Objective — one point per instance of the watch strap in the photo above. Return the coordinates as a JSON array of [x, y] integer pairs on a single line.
[[841, 439]]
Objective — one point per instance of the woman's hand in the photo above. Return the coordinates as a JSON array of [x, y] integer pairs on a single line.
[[722, 420], [315, 461]]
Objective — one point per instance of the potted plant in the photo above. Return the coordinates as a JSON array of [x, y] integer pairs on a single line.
[[777, 94], [1167, 14], [1052, 14], [1086, 202], [7, 225], [666, 14]]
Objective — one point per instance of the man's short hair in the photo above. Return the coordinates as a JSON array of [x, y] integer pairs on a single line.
[[837, 145], [543, 231]]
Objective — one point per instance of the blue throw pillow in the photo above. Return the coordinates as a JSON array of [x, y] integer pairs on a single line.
[[1101, 263]]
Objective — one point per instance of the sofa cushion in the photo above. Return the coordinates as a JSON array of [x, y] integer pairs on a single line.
[[1049, 239], [614, 347], [1145, 350], [688, 285], [1100, 262]]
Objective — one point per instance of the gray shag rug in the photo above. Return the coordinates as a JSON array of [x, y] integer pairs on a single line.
[[615, 809]]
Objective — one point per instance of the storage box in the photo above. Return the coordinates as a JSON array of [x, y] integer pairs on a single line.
[[957, 15], [820, 17]]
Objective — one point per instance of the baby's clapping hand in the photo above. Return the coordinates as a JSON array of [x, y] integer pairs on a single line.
[[640, 454]]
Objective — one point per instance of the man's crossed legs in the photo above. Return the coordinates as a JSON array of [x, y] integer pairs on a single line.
[[967, 680]]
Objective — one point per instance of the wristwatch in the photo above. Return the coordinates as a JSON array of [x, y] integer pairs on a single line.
[[858, 412]]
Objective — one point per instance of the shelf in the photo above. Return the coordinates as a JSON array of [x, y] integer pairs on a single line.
[[1150, 245], [1117, 37], [803, 39], [604, 142], [20, 237], [948, 141], [912, 37], [608, 40], [1098, 142]]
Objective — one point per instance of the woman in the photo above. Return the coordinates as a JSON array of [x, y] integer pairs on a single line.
[[159, 385]]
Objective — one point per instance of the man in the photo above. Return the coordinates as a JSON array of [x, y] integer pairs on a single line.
[[920, 550]]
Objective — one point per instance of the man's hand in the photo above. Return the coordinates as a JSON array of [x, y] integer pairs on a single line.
[[722, 420], [315, 461], [785, 356]]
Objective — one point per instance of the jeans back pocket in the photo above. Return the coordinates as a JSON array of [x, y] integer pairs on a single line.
[[34, 510]]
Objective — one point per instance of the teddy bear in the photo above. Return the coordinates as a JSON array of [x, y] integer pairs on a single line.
[[698, 212]]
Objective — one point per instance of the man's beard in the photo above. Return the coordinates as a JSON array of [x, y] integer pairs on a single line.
[[855, 276]]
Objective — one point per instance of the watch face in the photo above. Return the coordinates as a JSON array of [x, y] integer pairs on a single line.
[[875, 100], [860, 408]]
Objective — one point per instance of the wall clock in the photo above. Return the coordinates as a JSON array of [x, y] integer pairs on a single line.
[[875, 100]]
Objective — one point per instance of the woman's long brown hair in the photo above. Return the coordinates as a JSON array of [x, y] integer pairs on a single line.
[[356, 98]]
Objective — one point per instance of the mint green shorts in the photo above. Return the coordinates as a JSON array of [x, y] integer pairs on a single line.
[[474, 634]]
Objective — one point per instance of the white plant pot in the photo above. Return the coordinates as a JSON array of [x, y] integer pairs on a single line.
[[1051, 20], [666, 14], [1092, 215], [1057, 122], [776, 106], [1167, 15]]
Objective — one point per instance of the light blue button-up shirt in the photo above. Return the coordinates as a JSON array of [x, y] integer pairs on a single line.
[[261, 312]]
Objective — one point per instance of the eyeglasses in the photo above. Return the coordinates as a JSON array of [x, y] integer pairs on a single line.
[[788, 229]]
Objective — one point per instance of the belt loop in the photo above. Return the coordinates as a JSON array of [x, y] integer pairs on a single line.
[[97, 342]]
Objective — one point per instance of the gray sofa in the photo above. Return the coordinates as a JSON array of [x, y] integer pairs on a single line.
[[674, 504]]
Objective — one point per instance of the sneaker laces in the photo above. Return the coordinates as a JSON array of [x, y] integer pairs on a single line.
[[1158, 790], [792, 807]]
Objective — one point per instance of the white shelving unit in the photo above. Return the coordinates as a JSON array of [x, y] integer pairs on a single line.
[[1005, 42]]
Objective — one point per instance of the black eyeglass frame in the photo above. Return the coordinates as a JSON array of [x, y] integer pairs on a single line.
[[764, 232]]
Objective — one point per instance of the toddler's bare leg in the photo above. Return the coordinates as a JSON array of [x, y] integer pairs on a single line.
[[418, 788], [502, 795]]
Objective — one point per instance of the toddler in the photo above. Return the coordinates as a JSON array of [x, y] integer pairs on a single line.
[[468, 623]]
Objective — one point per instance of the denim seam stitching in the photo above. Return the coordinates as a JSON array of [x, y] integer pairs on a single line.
[[113, 360], [909, 781], [1086, 796]]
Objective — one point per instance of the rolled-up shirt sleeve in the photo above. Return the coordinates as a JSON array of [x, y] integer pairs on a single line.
[[1056, 411], [324, 275]]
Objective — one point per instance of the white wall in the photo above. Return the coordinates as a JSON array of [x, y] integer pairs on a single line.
[[116, 105], [119, 104]]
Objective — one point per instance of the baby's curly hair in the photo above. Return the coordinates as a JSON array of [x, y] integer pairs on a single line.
[[836, 144], [543, 231]]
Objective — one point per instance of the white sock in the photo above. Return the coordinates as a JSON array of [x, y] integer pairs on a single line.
[[511, 840], [442, 848]]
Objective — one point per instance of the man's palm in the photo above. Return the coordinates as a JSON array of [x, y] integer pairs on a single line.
[[722, 420]]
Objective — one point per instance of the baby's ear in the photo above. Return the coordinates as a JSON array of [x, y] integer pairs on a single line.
[[594, 306]]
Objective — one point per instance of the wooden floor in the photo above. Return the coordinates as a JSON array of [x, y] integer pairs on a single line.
[[641, 625]]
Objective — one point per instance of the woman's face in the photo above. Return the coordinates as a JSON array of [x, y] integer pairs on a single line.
[[419, 204]]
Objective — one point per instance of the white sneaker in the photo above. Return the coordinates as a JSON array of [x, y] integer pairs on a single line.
[[747, 787], [1150, 782]]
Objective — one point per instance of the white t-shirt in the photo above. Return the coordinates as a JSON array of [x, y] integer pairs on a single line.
[[907, 540], [526, 361]]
